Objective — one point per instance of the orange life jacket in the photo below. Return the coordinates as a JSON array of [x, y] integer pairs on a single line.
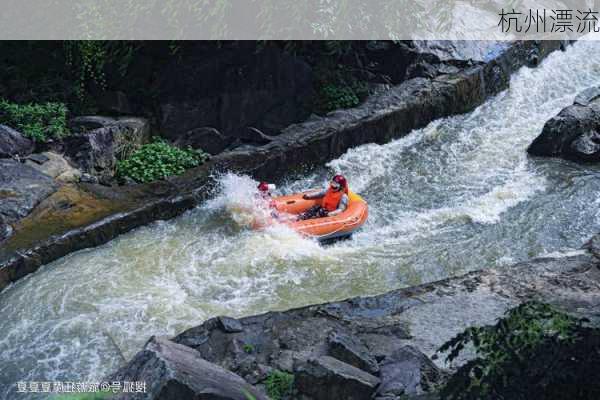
[[331, 200]]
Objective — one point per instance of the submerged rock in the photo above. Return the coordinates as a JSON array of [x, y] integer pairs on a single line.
[[573, 134], [13, 143], [175, 372]]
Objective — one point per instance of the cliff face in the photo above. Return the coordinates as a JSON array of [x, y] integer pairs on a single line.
[[383, 346]]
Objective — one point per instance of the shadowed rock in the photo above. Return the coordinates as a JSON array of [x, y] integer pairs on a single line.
[[12, 143], [96, 151], [349, 350], [407, 371], [326, 378], [573, 134], [175, 372], [208, 139]]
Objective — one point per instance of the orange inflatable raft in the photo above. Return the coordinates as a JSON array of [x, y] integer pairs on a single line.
[[322, 229]]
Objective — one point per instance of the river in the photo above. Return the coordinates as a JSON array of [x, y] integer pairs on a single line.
[[459, 195]]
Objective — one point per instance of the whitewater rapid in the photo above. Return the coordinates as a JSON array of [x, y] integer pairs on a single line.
[[459, 195]]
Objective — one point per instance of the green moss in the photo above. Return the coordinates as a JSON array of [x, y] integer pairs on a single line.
[[39, 122], [248, 348], [279, 384]]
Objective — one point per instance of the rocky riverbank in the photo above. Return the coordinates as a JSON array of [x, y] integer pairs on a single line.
[[382, 347], [449, 78]]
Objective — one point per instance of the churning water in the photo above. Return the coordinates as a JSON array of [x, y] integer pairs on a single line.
[[458, 195]]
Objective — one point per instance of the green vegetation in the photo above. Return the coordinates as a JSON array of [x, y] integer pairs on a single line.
[[39, 122], [248, 348], [279, 384], [335, 96], [159, 160], [535, 351]]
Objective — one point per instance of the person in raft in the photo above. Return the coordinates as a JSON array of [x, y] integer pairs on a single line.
[[335, 200], [265, 190]]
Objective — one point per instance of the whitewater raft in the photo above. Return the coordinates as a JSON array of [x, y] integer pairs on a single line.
[[325, 228]]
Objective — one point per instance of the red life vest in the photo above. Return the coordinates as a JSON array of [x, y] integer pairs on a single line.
[[332, 199]]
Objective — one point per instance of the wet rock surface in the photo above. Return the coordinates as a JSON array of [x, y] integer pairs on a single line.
[[395, 336], [175, 372], [573, 134]]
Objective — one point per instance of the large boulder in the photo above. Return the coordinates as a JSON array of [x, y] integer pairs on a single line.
[[22, 187], [326, 378], [573, 134], [407, 371], [351, 351], [55, 166], [96, 151], [176, 372], [12, 143]]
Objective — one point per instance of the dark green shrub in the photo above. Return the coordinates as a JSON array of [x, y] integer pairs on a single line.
[[337, 87], [159, 160], [39, 122], [535, 351], [279, 384]]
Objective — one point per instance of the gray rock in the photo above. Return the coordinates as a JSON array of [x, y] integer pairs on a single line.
[[176, 372], [230, 325], [407, 371], [351, 351], [96, 151], [208, 139], [325, 378], [90, 122], [87, 178], [54, 166], [12, 143], [21, 189], [37, 158], [574, 133]]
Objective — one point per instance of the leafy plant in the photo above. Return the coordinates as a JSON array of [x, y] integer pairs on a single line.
[[159, 160], [338, 88], [279, 384], [535, 351], [248, 348], [39, 122]]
